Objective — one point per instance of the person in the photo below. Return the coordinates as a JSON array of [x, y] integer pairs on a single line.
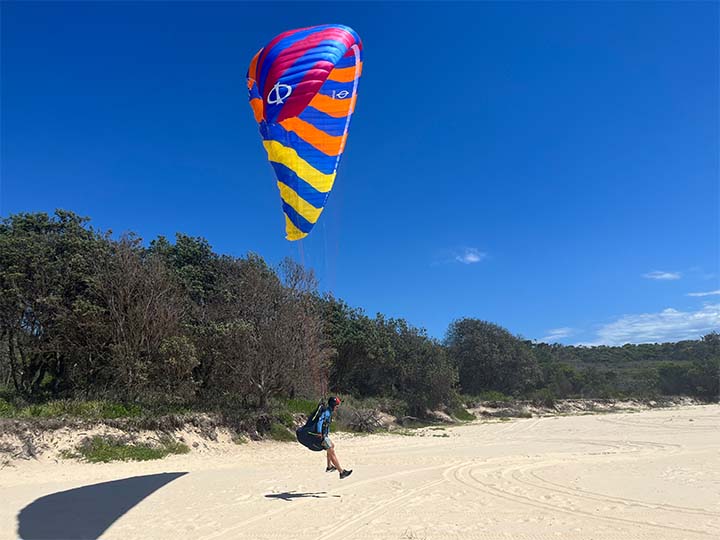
[[315, 436]]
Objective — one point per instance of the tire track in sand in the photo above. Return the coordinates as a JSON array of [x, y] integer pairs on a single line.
[[264, 515], [486, 488], [386, 505], [602, 497]]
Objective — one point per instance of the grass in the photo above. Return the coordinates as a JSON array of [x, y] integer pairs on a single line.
[[240, 439], [286, 419], [100, 449], [87, 410], [283, 410], [460, 413], [493, 395], [278, 432], [297, 405], [7, 410]]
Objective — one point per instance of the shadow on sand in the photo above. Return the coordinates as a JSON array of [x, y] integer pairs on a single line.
[[290, 495], [86, 512]]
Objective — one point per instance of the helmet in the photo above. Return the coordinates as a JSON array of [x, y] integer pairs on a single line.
[[333, 402]]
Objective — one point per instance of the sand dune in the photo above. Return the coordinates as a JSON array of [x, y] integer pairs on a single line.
[[650, 475]]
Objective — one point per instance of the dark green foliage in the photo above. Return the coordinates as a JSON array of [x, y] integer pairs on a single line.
[[488, 357], [86, 316], [96, 327], [690, 368], [7, 410], [194, 263], [387, 357], [493, 395], [699, 378], [48, 311], [364, 363], [427, 377]]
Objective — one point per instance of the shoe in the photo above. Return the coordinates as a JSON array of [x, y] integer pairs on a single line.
[[345, 474], [331, 468]]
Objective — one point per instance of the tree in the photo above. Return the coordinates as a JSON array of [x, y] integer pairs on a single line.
[[261, 338], [46, 271], [144, 307], [364, 359], [427, 377], [488, 357]]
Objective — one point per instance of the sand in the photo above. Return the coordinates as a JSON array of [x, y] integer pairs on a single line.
[[649, 475]]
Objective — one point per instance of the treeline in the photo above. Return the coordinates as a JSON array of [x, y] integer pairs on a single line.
[[690, 368], [83, 315]]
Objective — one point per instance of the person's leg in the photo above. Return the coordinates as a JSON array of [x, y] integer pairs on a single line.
[[332, 458]]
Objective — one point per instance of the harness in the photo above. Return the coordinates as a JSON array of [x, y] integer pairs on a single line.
[[307, 435]]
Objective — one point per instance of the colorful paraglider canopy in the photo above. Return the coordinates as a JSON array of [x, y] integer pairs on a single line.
[[303, 88]]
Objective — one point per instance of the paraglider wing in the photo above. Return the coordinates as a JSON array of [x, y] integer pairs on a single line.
[[302, 89]]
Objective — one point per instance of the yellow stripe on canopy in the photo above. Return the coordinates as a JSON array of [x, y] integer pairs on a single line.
[[290, 158], [291, 231], [300, 205]]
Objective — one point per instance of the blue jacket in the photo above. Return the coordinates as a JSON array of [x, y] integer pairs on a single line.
[[323, 424]]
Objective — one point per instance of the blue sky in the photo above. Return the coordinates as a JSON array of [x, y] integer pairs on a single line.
[[550, 167]]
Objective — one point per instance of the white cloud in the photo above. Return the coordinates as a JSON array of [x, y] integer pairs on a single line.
[[666, 326], [709, 293], [557, 333], [470, 256], [663, 276]]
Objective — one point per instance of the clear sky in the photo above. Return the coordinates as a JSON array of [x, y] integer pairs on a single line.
[[550, 167]]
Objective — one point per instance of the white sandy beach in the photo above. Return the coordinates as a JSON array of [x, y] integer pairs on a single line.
[[651, 475]]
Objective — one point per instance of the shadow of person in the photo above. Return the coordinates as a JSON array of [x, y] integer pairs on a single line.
[[86, 512], [290, 495]]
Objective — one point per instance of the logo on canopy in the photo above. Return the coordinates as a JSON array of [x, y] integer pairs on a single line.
[[279, 93]]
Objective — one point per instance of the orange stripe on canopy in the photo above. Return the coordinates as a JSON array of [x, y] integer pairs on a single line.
[[257, 107], [253, 66], [327, 144], [337, 108], [345, 74]]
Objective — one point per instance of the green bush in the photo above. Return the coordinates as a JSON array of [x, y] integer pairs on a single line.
[[89, 410], [7, 410], [462, 414], [544, 397], [278, 432], [493, 395], [299, 405], [100, 449], [393, 406], [286, 419]]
